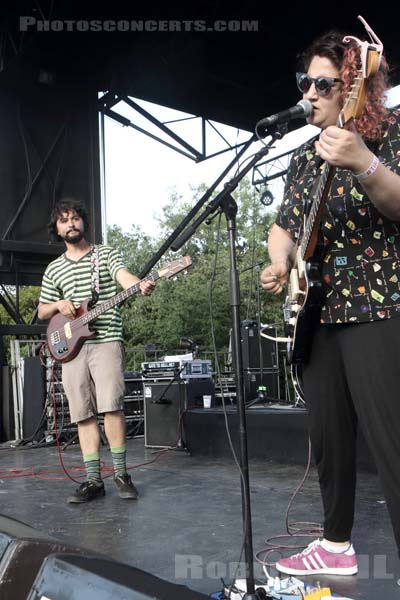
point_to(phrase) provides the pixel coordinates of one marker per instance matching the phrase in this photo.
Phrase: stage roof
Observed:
(234, 77)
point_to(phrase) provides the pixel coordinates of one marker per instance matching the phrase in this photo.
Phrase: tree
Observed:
(185, 307)
(28, 298)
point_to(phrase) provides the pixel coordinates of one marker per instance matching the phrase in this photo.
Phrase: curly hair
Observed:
(66, 205)
(347, 59)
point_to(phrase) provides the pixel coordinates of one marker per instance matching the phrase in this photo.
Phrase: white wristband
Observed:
(371, 169)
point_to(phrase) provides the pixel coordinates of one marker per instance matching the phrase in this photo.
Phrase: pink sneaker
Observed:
(315, 559)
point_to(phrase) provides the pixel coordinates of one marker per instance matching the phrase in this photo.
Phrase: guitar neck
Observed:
(352, 109)
(95, 312)
(310, 236)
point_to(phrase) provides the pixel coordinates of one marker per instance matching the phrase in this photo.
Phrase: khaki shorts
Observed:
(94, 380)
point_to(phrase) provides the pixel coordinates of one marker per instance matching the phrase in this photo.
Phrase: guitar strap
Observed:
(95, 269)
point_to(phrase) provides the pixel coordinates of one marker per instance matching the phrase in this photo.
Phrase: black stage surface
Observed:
(186, 526)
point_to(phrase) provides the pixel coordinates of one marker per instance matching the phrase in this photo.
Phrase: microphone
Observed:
(301, 110)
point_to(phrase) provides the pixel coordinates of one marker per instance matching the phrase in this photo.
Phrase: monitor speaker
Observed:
(22, 552)
(86, 578)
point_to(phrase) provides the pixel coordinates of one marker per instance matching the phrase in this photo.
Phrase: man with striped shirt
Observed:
(94, 379)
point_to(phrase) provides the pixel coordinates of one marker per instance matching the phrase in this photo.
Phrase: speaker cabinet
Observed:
(164, 404)
(253, 379)
(7, 423)
(34, 395)
(258, 352)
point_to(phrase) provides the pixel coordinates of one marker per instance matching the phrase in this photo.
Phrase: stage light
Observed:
(266, 198)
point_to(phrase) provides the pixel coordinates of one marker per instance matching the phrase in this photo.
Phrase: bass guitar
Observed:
(305, 297)
(65, 337)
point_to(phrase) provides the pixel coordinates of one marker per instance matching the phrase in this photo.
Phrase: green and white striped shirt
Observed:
(65, 279)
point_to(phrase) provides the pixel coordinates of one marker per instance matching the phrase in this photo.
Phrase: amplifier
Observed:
(187, 369)
(197, 369)
(258, 352)
(154, 370)
(164, 405)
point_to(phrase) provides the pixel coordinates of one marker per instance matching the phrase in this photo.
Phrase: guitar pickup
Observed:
(67, 330)
(295, 291)
(300, 267)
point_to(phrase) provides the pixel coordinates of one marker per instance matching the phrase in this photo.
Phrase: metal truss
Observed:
(272, 168)
(173, 140)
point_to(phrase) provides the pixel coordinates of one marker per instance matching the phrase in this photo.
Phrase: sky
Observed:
(141, 173)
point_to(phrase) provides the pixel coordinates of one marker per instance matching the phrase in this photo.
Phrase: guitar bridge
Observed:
(55, 338)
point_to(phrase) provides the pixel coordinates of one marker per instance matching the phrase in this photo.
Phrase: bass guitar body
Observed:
(65, 337)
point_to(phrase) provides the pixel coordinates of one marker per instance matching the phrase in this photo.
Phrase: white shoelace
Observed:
(309, 548)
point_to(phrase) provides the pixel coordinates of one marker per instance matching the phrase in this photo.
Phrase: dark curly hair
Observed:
(66, 205)
(346, 57)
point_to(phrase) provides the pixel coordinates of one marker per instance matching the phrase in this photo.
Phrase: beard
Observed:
(73, 237)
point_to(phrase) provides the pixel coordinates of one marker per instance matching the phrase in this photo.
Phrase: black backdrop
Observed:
(49, 82)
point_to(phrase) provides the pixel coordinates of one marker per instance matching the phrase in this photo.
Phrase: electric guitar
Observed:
(65, 336)
(303, 304)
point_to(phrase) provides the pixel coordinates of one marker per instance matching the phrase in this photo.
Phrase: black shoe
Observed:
(126, 489)
(86, 492)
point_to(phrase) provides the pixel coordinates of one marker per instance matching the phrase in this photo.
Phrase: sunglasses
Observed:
(323, 85)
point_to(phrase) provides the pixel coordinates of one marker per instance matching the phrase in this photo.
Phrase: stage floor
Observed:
(186, 526)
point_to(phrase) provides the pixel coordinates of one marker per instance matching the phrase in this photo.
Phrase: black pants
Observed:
(353, 376)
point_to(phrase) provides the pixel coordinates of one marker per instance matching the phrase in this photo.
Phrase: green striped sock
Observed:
(118, 454)
(92, 466)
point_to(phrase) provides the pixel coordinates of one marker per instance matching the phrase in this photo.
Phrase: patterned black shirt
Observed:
(361, 261)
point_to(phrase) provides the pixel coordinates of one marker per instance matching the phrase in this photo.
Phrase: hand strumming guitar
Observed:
(274, 277)
(66, 308)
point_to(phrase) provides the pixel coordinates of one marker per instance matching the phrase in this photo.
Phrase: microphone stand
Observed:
(168, 242)
(224, 202)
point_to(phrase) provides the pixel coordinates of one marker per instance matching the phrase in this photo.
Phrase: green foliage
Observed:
(182, 308)
(135, 247)
(27, 301)
(28, 298)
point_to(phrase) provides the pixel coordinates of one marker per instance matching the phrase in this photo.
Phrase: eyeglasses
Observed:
(323, 85)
